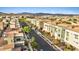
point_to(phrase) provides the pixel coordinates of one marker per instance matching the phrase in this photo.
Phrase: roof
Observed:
(1, 25)
(1, 41)
(19, 34)
(6, 47)
(9, 46)
(16, 49)
(75, 28)
(12, 26)
(71, 27)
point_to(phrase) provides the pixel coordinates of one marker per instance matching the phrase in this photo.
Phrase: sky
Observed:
(53, 10)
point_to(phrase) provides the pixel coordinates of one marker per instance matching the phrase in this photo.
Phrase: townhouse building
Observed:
(38, 22)
(72, 36)
(12, 34)
(67, 33)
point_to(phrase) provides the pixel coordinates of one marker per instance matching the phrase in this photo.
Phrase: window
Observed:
(75, 42)
(76, 36)
(52, 30)
(67, 38)
(63, 33)
(55, 29)
(18, 39)
(67, 35)
(59, 35)
(58, 30)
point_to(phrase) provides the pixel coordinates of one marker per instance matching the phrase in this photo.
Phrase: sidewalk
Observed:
(29, 45)
(48, 41)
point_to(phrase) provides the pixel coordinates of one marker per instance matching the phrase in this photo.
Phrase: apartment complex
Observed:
(65, 28)
(11, 33)
(37, 22)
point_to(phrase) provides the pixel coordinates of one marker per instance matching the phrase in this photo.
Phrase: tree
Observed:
(34, 43)
(67, 22)
(22, 20)
(26, 29)
(0, 19)
(26, 43)
(33, 39)
(74, 20)
(70, 20)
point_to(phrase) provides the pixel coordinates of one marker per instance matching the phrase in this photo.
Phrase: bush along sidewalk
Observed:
(34, 44)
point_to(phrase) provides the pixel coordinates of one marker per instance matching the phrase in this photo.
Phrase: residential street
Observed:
(39, 30)
(42, 43)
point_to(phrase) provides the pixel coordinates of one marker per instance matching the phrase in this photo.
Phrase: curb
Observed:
(49, 42)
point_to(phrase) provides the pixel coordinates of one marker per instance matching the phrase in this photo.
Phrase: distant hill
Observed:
(2, 13)
(25, 13)
(38, 14)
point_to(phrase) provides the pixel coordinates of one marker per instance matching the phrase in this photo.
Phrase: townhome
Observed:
(72, 36)
(33, 21)
(19, 38)
(53, 29)
(12, 36)
(36, 22)
(7, 43)
(40, 23)
(47, 26)
(1, 25)
(14, 23)
(0, 16)
(5, 22)
(64, 31)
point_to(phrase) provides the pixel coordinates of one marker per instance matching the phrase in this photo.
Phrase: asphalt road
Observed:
(41, 42)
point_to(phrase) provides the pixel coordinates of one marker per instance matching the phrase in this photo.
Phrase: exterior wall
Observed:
(52, 30)
(47, 27)
(72, 38)
(21, 41)
(12, 26)
(9, 40)
(33, 21)
(57, 32)
(61, 33)
(1, 25)
(28, 19)
(0, 16)
(36, 22)
(41, 25)
(9, 45)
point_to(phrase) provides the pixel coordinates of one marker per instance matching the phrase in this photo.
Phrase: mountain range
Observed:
(25, 13)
